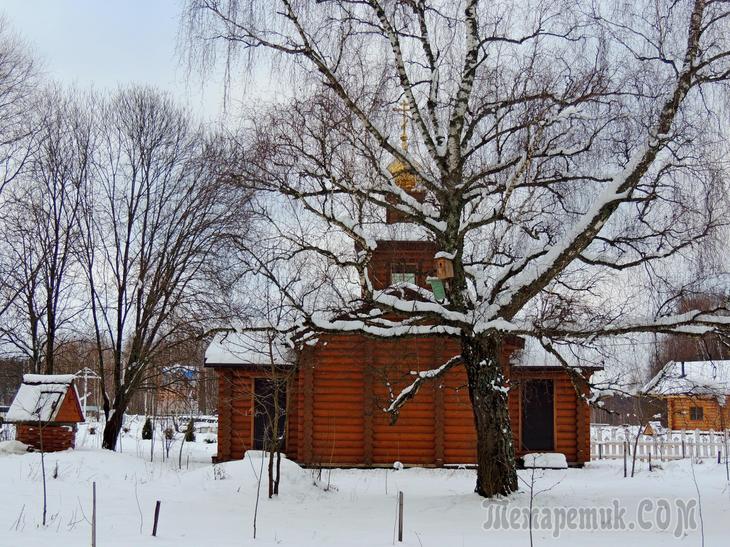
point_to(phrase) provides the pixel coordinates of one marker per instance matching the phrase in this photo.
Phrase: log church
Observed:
(329, 398)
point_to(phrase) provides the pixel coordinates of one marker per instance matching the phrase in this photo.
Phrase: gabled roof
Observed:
(41, 397)
(257, 348)
(691, 378)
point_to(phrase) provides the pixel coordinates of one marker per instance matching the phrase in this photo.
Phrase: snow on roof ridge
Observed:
(48, 378)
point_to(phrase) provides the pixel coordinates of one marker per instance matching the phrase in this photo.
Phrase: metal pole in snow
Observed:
(93, 514)
(157, 517)
(86, 390)
(400, 516)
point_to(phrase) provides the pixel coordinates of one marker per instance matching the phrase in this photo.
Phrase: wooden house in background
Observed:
(696, 393)
(45, 412)
(336, 390)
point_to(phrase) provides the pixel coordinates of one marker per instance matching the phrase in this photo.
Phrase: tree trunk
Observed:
(496, 472)
(277, 475)
(271, 471)
(114, 424)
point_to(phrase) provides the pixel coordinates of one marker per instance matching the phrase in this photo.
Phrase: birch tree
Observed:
(567, 151)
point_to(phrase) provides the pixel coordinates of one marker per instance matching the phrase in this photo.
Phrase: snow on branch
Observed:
(387, 298)
(411, 390)
(530, 281)
(396, 331)
(694, 322)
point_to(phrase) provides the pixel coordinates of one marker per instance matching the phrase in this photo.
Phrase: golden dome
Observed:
(402, 174)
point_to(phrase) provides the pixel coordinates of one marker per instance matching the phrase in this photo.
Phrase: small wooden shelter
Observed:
(696, 393)
(255, 373)
(46, 410)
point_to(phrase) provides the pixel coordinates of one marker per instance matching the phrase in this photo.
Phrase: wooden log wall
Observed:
(714, 415)
(416, 253)
(347, 380)
(336, 401)
(56, 437)
(235, 413)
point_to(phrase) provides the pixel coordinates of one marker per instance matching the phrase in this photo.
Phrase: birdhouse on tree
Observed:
(443, 265)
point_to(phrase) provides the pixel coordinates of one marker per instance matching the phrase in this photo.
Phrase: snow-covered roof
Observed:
(691, 378)
(533, 355)
(259, 347)
(39, 397)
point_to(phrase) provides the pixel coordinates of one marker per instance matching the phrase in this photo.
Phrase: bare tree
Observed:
(42, 224)
(563, 162)
(18, 82)
(679, 347)
(156, 218)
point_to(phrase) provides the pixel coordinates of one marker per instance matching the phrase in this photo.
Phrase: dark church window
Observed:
(403, 273)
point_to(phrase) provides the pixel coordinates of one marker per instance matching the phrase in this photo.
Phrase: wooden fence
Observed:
(672, 445)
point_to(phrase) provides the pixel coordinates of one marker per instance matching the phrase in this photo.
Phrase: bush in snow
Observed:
(147, 429)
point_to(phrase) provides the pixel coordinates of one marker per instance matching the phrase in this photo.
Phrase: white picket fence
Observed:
(671, 445)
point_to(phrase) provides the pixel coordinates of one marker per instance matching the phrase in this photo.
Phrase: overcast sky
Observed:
(105, 43)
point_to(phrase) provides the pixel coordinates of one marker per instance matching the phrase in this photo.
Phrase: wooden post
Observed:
(719, 458)
(157, 518)
(400, 516)
(600, 450)
(625, 464)
(650, 460)
(684, 455)
(697, 451)
(93, 514)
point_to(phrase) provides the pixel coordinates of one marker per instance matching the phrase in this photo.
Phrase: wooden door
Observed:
(538, 429)
(269, 419)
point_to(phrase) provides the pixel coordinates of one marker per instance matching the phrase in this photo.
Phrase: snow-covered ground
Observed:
(206, 505)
